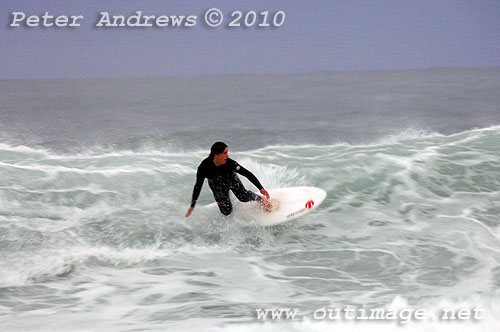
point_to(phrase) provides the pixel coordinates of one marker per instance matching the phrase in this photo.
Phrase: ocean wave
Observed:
(147, 150)
(405, 192)
(52, 263)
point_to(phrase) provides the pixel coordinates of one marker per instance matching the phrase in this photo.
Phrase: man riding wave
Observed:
(221, 171)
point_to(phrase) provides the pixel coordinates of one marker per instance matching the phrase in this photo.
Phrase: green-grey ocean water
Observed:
(92, 228)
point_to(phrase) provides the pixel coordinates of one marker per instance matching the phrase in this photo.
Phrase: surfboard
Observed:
(288, 204)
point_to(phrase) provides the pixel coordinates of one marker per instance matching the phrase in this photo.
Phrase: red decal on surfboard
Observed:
(309, 204)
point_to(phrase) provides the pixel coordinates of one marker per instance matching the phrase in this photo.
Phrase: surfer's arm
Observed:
(249, 175)
(196, 192)
(246, 173)
(200, 178)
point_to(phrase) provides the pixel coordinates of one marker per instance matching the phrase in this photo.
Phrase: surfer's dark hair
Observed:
(217, 148)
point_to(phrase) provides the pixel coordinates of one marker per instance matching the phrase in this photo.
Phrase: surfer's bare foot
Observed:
(266, 204)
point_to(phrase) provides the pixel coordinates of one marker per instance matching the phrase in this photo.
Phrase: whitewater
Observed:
(96, 176)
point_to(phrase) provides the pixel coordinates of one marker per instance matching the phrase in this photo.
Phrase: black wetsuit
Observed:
(223, 178)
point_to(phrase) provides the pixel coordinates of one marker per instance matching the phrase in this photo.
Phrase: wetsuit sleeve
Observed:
(246, 173)
(200, 178)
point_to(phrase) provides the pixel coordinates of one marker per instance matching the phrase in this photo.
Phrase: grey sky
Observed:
(317, 35)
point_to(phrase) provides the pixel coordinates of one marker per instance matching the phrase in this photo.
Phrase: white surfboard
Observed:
(288, 204)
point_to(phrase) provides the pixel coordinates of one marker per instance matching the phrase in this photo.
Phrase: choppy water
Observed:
(93, 236)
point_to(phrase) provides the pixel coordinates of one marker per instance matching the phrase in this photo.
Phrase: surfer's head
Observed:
(219, 153)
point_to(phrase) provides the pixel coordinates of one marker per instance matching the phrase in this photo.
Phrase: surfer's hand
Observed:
(189, 211)
(266, 204)
(264, 192)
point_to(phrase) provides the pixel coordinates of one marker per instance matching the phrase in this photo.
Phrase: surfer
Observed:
(221, 171)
